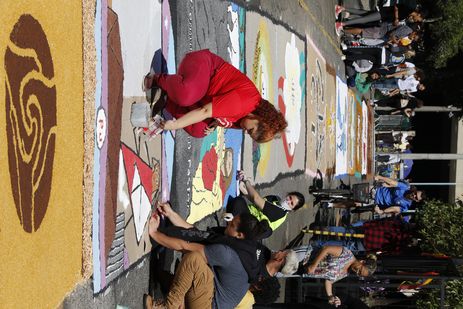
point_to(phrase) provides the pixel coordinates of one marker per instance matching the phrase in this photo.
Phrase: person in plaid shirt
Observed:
(389, 235)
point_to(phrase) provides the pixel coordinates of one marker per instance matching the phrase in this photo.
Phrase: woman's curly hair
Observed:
(270, 120)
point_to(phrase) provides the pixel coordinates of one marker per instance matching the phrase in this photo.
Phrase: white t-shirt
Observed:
(410, 84)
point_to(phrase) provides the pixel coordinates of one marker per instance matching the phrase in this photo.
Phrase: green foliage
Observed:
(441, 228)
(448, 32)
(453, 297)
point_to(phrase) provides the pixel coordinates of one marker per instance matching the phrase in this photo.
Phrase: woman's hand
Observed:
(168, 125)
(241, 176)
(408, 112)
(334, 300)
(209, 129)
(194, 116)
(243, 188)
(165, 209)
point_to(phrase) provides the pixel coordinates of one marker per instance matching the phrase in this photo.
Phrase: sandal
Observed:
(338, 9)
(144, 86)
(159, 104)
(153, 91)
(153, 95)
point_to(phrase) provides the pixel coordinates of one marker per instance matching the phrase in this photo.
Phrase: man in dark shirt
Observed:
(252, 254)
(223, 285)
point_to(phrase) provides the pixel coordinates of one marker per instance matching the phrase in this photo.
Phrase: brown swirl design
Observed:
(30, 120)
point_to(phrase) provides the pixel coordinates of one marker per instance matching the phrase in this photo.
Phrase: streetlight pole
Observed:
(423, 156)
(428, 109)
(436, 183)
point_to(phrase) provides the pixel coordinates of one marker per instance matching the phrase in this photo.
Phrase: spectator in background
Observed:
(391, 14)
(394, 86)
(390, 235)
(331, 263)
(395, 196)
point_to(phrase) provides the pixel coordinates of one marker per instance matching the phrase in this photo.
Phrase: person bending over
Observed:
(208, 92)
(241, 234)
(331, 263)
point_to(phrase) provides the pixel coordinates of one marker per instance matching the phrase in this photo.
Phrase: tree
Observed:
(453, 297)
(441, 228)
(447, 33)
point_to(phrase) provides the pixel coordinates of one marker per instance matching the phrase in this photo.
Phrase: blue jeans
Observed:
(386, 84)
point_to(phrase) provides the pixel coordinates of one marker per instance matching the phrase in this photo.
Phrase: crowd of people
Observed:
(227, 266)
(379, 47)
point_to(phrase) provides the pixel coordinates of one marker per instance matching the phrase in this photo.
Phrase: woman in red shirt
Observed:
(207, 91)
